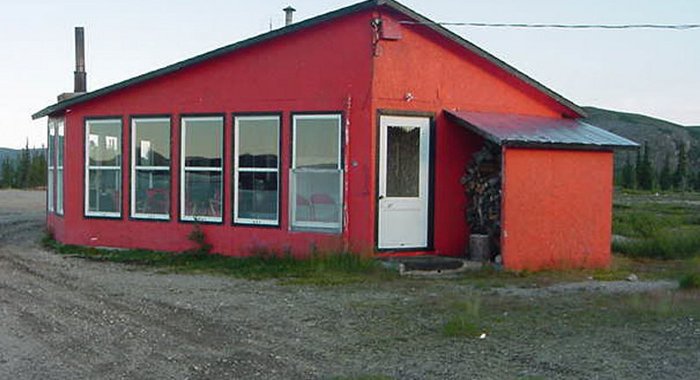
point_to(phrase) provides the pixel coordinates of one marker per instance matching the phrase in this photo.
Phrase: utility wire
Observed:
(560, 26)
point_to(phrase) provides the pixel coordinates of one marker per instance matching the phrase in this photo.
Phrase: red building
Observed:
(342, 132)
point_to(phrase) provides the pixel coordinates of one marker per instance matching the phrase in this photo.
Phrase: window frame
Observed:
(236, 220)
(183, 168)
(51, 166)
(340, 169)
(134, 168)
(60, 151)
(86, 173)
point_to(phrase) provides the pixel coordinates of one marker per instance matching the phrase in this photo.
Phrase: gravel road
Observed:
(67, 318)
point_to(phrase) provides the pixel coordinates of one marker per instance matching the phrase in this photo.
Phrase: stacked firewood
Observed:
(482, 184)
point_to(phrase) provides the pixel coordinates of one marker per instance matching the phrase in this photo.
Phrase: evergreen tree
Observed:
(628, 177)
(645, 174)
(37, 169)
(22, 168)
(680, 178)
(638, 167)
(7, 173)
(697, 181)
(665, 176)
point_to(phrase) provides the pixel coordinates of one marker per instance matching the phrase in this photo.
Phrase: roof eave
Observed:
(486, 55)
(59, 106)
(566, 146)
(510, 143)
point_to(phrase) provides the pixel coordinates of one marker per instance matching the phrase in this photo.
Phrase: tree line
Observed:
(26, 170)
(643, 175)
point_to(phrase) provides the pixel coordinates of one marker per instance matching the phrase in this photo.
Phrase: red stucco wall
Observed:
(557, 209)
(329, 67)
(441, 75)
(324, 68)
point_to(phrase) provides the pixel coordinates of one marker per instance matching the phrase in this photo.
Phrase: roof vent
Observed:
(288, 15)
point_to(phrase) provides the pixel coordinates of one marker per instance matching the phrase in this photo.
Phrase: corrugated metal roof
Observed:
(369, 4)
(534, 131)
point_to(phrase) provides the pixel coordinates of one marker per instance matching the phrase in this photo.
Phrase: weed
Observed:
(328, 269)
(198, 237)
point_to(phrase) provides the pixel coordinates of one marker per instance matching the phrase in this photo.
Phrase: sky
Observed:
(653, 72)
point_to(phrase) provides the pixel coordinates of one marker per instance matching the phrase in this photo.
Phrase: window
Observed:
(256, 169)
(51, 164)
(59, 165)
(103, 160)
(150, 168)
(201, 169)
(316, 174)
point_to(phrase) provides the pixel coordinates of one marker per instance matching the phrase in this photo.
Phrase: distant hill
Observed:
(663, 137)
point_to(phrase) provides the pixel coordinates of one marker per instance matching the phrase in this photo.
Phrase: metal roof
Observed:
(537, 131)
(365, 5)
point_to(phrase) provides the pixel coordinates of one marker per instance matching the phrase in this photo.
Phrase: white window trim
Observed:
(135, 168)
(60, 131)
(184, 170)
(51, 166)
(89, 167)
(237, 169)
(339, 169)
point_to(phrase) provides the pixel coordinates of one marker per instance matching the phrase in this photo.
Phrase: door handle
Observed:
(381, 197)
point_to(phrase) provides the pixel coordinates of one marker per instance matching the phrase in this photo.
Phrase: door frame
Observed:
(431, 177)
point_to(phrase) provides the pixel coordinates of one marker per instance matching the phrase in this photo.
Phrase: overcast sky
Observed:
(655, 72)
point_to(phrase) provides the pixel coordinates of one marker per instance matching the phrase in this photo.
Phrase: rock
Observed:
(632, 277)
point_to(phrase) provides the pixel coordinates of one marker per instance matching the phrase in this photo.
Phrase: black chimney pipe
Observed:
(288, 15)
(80, 76)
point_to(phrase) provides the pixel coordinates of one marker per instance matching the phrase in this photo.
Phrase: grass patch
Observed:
(466, 321)
(663, 226)
(319, 269)
(679, 243)
(365, 377)
(690, 281)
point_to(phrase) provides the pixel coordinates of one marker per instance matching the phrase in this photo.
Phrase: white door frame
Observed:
(404, 223)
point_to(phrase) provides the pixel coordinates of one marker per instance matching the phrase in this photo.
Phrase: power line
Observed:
(559, 26)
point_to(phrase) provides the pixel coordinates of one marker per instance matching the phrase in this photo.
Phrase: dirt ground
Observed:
(68, 318)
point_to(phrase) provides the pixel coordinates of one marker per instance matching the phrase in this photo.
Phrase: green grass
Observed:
(466, 320)
(690, 281)
(319, 269)
(679, 243)
(664, 226)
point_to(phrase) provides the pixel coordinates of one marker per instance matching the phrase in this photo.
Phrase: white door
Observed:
(404, 155)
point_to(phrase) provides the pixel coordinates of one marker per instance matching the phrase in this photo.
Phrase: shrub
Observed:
(638, 224)
(690, 281)
(679, 243)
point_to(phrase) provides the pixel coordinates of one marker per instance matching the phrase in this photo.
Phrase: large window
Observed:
(316, 174)
(60, 129)
(201, 169)
(150, 168)
(103, 160)
(51, 165)
(256, 169)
